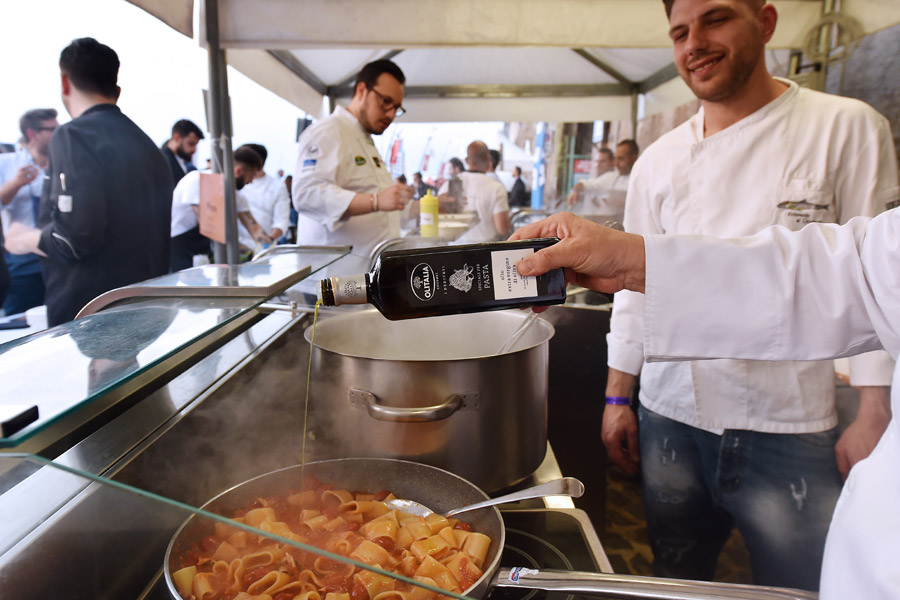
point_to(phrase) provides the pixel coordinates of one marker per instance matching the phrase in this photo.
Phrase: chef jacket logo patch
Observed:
(377, 161)
(309, 163)
(422, 282)
(360, 161)
(462, 278)
(312, 150)
(801, 205)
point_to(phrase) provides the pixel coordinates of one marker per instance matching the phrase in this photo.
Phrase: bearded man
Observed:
(740, 443)
(343, 193)
(180, 148)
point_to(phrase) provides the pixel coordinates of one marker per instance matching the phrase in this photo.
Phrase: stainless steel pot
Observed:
(434, 391)
(442, 491)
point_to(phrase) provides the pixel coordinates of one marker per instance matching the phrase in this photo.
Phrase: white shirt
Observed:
(270, 205)
(806, 156)
(823, 293)
(605, 195)
(338, 160)
(20, 209)
(485, 196)
(186, 196)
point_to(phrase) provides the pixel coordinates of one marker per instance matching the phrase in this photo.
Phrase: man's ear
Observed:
(118, 93)
(65, 84)
(360, 89)
(768, 18)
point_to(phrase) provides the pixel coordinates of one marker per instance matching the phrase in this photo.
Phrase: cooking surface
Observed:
(545, 539)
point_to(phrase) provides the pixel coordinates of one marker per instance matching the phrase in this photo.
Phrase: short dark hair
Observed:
(668, 4)
(372, 71)
(185, 127)
(91, 67)
(417, 174)
(517, 171)
(248, 156)
(457, 163)
(34, 118)
(495, 158)
(632, 146)
(609, 153)
(259, 149)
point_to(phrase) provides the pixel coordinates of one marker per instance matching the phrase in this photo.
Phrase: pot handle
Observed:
(635, 587)
(421, 414)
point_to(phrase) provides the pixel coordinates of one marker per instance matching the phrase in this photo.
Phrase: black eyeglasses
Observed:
(388, 105)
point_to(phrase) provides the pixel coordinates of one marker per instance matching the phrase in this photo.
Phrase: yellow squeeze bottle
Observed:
(428, 215)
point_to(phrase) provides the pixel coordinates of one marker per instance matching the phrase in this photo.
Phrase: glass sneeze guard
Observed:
(66, 368)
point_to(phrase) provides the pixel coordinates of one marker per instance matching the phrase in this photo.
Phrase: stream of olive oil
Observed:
(312, 340)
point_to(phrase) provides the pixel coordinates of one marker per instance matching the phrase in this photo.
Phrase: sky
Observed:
(162, 76)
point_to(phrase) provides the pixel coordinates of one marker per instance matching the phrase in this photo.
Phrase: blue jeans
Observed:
(26, 284)
(779, 490)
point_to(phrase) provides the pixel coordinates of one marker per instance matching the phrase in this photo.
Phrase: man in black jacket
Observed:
(179, 149)
(106, 207)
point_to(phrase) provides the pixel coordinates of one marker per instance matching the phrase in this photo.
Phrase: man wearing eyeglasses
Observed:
(21, 180)
(342, 191)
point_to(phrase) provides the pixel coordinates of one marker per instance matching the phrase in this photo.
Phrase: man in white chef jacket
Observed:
(605, 195)
(744, 443)
(821, 293)
(342, 190)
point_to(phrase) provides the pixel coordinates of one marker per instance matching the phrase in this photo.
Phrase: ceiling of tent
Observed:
(470, 60)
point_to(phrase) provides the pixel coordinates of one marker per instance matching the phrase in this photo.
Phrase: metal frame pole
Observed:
(220, 132)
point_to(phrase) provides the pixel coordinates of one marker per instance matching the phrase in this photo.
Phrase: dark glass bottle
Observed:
(426, 282)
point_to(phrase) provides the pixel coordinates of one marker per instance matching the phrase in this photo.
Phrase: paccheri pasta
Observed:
(236, 565)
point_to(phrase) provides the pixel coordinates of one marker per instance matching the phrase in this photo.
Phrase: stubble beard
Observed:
(733, 82)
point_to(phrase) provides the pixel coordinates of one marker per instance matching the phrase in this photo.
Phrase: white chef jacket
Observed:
(338, 160)
(822, 293)
(186, 196)
(269, 204)
(605, 195)
(806, 156)
(485, 196)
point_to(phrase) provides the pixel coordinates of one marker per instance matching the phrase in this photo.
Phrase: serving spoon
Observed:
(566, 486)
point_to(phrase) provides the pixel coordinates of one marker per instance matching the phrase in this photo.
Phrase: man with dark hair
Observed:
(751, 444)
(105, 208)
(180, 148)
(495, 162)
(343, 192)
(519, 196)
(21, 181)
(187, 241)
(269, 203)
(456, 167)
(605, 195)
(421, 188)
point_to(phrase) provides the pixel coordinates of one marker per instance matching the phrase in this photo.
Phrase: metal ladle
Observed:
(567, 486)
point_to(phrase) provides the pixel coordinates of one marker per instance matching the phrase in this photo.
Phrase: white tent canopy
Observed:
(470, 60)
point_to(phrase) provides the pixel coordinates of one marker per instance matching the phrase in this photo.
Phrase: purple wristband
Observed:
(623, 400)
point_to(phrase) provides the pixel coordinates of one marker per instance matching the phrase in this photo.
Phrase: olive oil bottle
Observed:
(427, 282)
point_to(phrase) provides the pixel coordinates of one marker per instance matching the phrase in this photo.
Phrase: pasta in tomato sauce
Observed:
(236, 565)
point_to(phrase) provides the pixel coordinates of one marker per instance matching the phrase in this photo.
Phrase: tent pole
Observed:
(634, 113)
(220, 125)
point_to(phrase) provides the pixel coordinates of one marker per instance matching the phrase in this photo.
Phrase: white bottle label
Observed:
(426, 218)
(508, 283)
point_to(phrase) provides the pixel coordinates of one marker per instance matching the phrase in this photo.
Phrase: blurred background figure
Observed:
(180, 148)
(21, 180)
(519, 196)
(420, 186)
(495, 162)
(484, 196)
(269, 203)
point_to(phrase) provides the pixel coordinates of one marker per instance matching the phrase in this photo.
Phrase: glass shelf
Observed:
(69, 367)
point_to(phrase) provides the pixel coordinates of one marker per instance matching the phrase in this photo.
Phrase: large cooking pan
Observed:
(442, 490)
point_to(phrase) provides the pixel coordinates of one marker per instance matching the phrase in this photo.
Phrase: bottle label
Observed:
(422, 282)
(508, 283)
(426, 218)
(481, 277)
